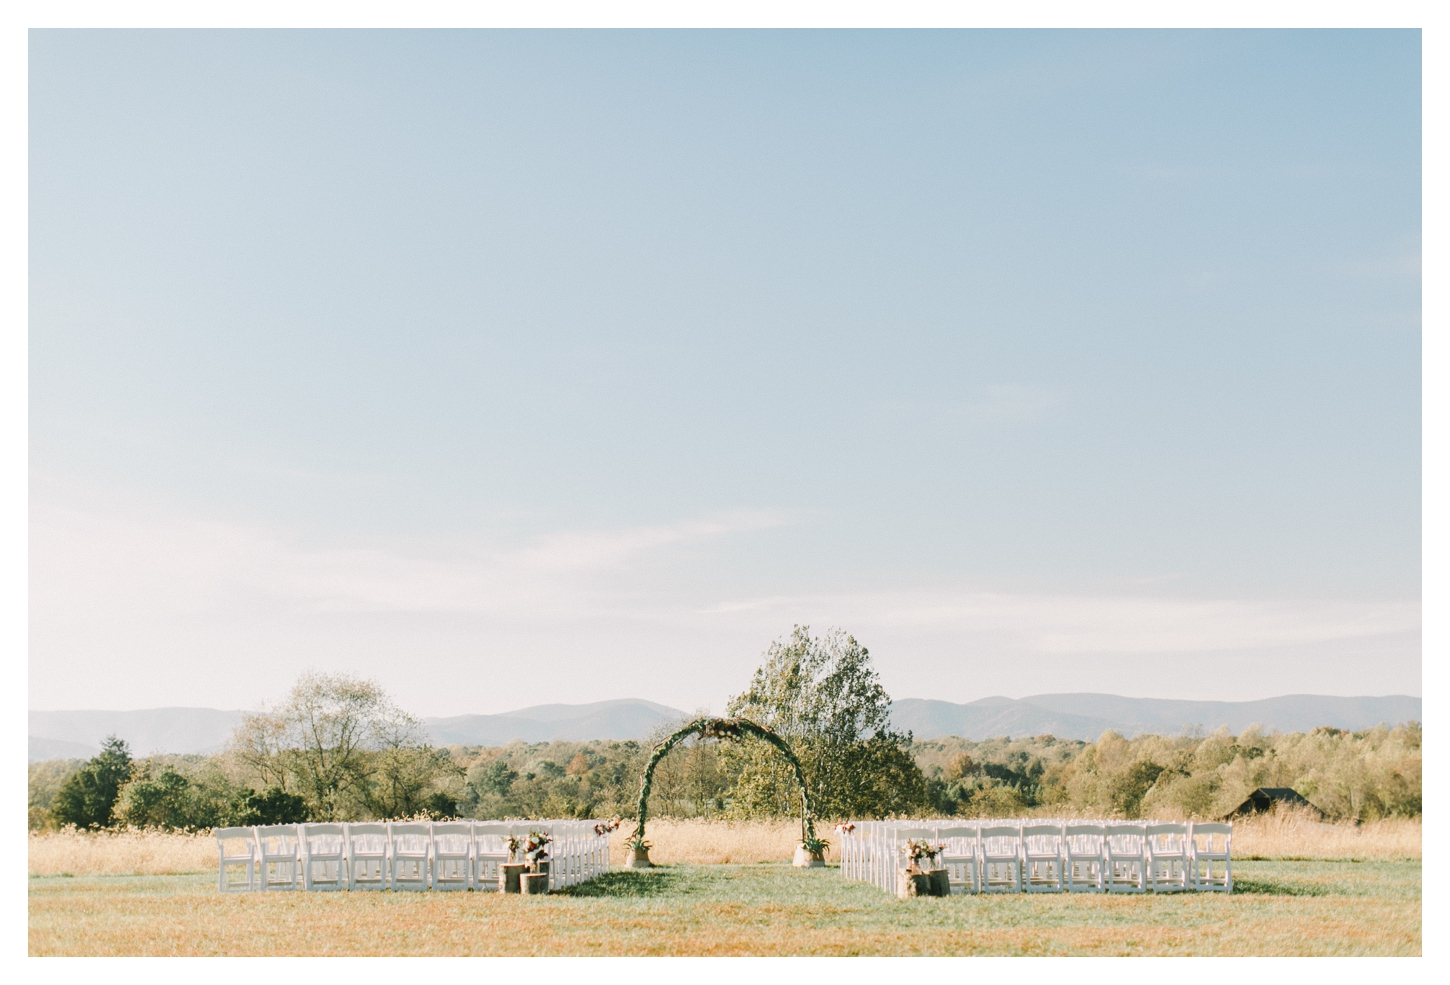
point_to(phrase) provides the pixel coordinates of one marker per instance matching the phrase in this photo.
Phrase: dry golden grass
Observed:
(1295, 835)
(1275, 836)
(714, 842)
(142, 853)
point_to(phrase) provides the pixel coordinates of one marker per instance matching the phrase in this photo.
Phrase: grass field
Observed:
(1302, 889)
(1278, 908)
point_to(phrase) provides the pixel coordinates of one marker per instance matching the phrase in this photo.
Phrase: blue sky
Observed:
(1042, 361)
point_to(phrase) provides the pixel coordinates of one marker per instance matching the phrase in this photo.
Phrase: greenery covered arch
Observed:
(726, 728)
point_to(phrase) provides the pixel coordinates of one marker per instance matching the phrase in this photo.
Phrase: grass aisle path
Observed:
(1281, 908)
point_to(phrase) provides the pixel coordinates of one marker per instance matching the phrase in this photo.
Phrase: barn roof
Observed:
(1267, 798)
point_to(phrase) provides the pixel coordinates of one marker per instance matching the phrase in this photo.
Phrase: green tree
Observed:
(340, 743)
(167, 800)
(271, 806)
(823, 695)
(88, 796)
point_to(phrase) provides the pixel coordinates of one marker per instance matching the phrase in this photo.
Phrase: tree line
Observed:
(339, 749)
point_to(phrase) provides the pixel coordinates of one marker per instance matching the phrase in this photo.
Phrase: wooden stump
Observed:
(940, 883)
(508, 876)
(910, 884)
(534, 883)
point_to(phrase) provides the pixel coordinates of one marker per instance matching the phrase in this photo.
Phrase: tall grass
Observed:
(1285, 835)
(1298, 835)
(708, 842)
(117, 853)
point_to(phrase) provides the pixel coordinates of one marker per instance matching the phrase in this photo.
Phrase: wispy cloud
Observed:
(124, 607)
(1123, 624)
(87, 563)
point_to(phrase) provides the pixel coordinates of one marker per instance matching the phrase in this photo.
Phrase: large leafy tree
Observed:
(88, 796)
(340, 743)
(822, 694)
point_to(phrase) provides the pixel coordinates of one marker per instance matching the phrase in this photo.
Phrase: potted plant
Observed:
(638, 852)
(811, 852)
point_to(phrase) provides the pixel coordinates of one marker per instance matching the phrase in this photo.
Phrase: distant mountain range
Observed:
(71, 734)
(626, 718)
(1087, 716)
(78, 734)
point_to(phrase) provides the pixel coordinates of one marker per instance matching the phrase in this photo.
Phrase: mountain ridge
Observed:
(1085, 716)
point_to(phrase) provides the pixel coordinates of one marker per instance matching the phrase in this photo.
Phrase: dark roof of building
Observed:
(1267, 798)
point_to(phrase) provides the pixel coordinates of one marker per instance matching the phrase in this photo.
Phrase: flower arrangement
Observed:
(920, 851)
(845, 827)
(605, 827)
(514, 845)
(536, 849)
(636, 843)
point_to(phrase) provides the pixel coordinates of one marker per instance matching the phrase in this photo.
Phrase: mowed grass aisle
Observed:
(1278, 908)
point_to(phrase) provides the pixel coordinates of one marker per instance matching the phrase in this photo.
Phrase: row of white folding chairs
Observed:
(1050, 855)
(400, 855)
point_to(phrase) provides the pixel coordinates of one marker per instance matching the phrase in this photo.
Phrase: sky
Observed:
(509, 368)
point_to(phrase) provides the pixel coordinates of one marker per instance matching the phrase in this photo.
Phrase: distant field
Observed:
(1279, 908)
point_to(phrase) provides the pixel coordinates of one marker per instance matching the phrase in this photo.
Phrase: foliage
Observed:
(341, 744)
(87, 798)
(823, 696)
(45, 780)
(815, 845)
(179, 793)
(272, 806)
(1356, 776)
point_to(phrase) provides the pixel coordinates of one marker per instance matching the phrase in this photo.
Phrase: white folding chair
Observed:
(1167, 858)
(562, 873)
(1082, 857)
(1001, 858)
(237, 870)
(901, 838)
(1123, 858)
(1042, 858)
(409, 844)
(960, 857)
(490, 850)
(367, 855)
(324, 864)
(579, 835)
(1208, 845)
(452, 854)
(277, 866)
